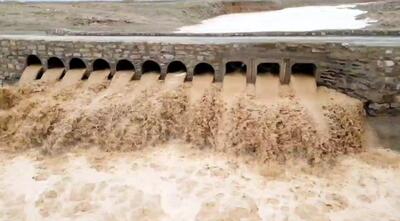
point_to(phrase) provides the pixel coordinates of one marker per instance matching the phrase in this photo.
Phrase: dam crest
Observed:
(361, 69)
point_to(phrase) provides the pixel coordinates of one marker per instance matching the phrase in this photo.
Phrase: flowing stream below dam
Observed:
(172, 150)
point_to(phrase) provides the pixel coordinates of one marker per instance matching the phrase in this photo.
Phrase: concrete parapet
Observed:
(370, 73)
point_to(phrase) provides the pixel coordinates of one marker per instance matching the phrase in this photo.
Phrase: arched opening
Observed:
(101, 64)
(150, 66)
(55, 69)
(34, 67)
(33, 60)
(176, 67)
(203, 68)
(54, 62)
(303, 78)
(77, 63)
(125, 65)
(268, 68)
(235, 67)
(304, 68)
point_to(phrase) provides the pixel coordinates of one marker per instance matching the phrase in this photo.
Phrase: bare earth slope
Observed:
(139, 16)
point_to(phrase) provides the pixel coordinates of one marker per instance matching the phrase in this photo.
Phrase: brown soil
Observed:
(387, 14)
(143, 16)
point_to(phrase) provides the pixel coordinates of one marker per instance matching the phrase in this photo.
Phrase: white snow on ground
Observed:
(307, 18)
(60, 1)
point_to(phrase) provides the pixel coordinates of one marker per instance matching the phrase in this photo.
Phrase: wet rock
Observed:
(376, 108)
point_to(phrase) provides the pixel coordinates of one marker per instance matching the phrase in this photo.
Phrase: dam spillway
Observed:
(159, 110)
(363, 67)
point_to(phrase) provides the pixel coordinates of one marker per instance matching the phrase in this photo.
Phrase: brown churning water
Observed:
(266, 120)
(153, 149)
(30, 73)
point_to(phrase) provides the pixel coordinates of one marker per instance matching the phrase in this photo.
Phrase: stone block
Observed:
(168, 56)
(389, 63)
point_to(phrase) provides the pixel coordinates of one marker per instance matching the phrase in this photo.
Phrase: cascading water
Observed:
(169, 150)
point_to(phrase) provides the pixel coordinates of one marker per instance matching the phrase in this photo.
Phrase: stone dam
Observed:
(367, 68)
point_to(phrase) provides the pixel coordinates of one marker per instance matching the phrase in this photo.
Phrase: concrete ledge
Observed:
(362, 32)
(363, 67)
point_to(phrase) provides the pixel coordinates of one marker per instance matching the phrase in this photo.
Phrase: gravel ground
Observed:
(164, 16)
(386, 13)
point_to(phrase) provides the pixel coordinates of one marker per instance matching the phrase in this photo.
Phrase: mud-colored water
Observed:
(175, 182)
(298, 120)
(122, 78)
(168, 150)
(99, 76)
(267, 88)
(53, 74)
(72, 77)
(30, 73)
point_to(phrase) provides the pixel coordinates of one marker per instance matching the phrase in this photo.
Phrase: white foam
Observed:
(173, 182)
(307, 18)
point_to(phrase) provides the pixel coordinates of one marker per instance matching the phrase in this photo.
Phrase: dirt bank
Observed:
(133, 16)
(387, 14)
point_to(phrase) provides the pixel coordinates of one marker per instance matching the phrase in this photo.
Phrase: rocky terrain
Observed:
(138, 16)
(387, 14)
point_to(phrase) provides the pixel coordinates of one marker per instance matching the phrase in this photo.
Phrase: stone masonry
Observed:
(370, 73)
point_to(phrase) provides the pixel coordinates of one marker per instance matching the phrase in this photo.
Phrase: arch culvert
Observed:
(55, 62)
(150, 66)
(304, 68)
(34, 68)
(33, 60)
(55, 69)
(77, 63)
(268, 68)
(101, 64)
(203, 68)
(235, 67)
(176, 67)
(125, 65)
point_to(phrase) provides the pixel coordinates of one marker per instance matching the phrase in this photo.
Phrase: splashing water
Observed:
(268, 120)
(196, 151)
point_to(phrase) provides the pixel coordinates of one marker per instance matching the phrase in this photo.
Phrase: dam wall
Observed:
(368, 72)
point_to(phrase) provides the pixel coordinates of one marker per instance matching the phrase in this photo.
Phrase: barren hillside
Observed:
(148, 16)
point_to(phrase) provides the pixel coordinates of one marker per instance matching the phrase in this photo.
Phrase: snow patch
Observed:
(307, 18)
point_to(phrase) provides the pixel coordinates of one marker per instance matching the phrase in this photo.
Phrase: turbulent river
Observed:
(168, 150)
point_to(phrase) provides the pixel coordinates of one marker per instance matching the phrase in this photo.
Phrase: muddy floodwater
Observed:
(153, 149)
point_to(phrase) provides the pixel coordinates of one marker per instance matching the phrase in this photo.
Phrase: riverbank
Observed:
(39, 18)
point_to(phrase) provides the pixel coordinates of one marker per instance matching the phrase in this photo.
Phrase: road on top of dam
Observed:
(382, 41)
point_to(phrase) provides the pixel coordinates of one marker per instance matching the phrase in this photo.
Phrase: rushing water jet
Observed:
(267, 119)
(158, 136)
